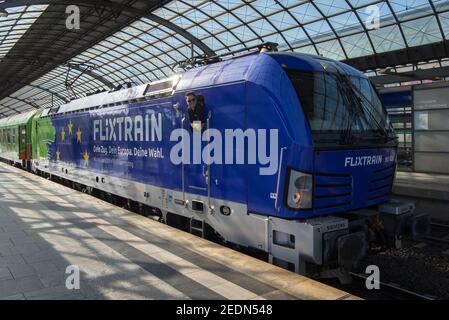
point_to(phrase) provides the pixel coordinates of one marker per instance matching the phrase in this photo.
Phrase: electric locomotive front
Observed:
(338, 180)
(352, 143)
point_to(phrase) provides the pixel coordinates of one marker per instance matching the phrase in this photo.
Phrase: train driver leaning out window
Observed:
(196, 112)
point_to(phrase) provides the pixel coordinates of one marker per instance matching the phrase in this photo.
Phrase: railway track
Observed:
(390, 291)
(439, 234)
(387, 291)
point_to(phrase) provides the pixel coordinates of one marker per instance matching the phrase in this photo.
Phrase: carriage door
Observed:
(23, 150)
(196, 173)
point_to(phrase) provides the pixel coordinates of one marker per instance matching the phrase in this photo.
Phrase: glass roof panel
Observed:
(201, 33)
(332, 7)
(276, 38)
(346, 23)
(362, 3)
(214, 26)
(331, 49)
(182, 22)
(213, 43)
(297, 37)
(145, 51)
(265, 7)
(228, 20)
(14, 26)
(422, 31)
(444, 18)
(441, 5)
(319, 31)
(210, 9)
(307, 50)
(387, 39)
(246, 13)
(305, 13)
(409, 9)
(357, 45)
(283, 20)
(228, 38)
(262, 27)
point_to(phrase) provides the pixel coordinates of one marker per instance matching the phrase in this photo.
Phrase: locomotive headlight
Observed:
(300, 190)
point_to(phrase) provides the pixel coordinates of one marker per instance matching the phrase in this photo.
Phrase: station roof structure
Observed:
(130, 42)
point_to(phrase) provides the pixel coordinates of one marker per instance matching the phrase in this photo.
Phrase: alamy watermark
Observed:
(73, 19)
(372, 22)
(230, 149)
(373, 279)
(73, 280)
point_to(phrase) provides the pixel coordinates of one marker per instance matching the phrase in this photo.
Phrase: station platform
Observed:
(422, 185)
(46, 227)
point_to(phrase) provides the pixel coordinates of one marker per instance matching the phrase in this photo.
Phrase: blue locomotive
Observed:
(293, 155)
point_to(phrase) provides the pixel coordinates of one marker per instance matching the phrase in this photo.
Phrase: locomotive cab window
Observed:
(340, 108)
(196, 111)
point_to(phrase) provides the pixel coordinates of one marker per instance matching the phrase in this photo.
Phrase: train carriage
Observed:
(15, 138)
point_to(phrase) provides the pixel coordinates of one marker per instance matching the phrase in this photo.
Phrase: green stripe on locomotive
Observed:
(43, 135)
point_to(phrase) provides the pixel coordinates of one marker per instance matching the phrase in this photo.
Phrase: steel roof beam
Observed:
(49, 91)
(9, 108)
(32, 104)
(94, 75)
(427, 52)
(43, 89)
(90, 73)
(421, 74)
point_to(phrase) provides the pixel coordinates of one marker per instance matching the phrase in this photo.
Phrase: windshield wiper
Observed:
(351, 88)
(347, 137)
(369, 109)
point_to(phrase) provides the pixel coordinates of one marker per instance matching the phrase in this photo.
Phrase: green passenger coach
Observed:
(15, 138)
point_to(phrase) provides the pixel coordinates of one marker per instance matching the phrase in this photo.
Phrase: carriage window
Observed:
(14, 139)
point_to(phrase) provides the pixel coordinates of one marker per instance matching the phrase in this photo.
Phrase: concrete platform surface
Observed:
(45, 227)
(422, 185)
